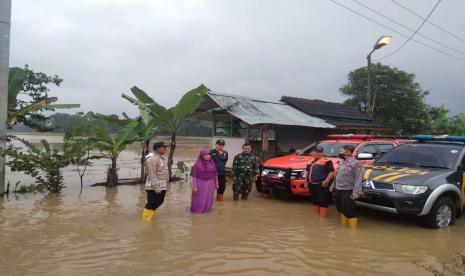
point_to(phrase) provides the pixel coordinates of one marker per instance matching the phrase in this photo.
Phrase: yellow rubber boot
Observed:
(353, 223)
(344, 220)
(148, 214)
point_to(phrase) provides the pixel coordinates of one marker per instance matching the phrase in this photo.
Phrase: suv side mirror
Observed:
(365, 156)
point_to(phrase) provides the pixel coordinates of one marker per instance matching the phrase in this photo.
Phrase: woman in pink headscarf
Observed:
(204, 182)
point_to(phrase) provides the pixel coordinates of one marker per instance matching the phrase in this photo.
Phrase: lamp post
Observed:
(382, 41)
(5, 17)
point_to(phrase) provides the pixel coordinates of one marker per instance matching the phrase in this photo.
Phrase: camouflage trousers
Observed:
(242, 184)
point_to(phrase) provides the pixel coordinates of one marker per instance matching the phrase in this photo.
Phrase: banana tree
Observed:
(147, 122)
(170, 120)
(15, 110)
(111, 147)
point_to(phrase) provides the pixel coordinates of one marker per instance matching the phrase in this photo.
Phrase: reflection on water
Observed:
(101, 233)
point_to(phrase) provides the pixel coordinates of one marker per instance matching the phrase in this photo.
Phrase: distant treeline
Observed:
(62, 122)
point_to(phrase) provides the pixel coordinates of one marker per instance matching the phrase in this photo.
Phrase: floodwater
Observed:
(101, 233)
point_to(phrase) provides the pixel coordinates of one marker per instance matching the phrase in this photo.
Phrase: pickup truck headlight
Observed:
(265, 172)
(411, 189)
(298, 174)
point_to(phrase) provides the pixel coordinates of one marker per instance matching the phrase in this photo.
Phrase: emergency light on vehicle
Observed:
(440, 138)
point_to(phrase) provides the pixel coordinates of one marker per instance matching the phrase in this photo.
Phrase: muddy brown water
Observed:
(101, 233)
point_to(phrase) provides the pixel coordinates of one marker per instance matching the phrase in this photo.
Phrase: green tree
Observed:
(171, 120)
(147, 122)
(398, 99)
(457, 124)
(28, 98)
(440, 121)
(79, 141)
(111, 147)
(43, 163)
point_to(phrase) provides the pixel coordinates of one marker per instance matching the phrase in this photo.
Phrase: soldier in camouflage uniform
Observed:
(244, 171)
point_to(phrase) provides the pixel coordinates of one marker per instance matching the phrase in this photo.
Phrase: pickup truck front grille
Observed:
(383, 186)
(275, 172)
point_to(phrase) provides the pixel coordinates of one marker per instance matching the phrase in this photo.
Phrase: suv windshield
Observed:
(331, 148)
(423, 155)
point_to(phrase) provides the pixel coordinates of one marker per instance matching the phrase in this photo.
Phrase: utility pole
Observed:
(5, 19)
(368, 100)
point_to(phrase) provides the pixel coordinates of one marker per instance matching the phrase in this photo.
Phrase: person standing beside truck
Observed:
(220, 157)
(244, 171)
(157, 179)
(345, 186)
(319, 174)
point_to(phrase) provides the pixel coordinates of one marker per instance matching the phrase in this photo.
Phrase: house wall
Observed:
(298, 137)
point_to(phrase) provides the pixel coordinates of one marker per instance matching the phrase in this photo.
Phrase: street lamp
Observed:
(382, 41)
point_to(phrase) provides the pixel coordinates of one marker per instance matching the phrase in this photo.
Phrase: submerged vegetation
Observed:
(43, 163)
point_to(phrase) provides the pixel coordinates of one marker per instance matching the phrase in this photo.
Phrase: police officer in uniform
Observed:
(345, 186)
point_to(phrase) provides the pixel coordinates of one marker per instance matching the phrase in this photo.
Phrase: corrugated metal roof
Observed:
(255, 112)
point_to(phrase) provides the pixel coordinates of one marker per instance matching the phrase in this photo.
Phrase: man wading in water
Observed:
(320, 173)
(244, 172)
(346, 190)
(220, 157)
(157, 179)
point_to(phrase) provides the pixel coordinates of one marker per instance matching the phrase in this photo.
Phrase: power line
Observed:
(397, 32)
(431, 23)
(416, 31)
(408, 28)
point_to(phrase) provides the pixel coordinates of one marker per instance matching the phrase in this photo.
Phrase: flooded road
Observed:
(101, 233)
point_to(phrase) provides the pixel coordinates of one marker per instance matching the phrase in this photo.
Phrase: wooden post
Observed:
(231, 126)
(213, 126)
(264, 142)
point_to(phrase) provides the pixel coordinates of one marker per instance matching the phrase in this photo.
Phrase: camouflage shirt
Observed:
(245, 165)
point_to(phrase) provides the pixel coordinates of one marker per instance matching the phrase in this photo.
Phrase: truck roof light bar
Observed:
(444, 137)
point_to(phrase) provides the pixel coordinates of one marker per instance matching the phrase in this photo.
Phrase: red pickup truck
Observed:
(286, 174)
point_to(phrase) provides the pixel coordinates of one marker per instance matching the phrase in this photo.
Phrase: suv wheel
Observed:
(442, 214)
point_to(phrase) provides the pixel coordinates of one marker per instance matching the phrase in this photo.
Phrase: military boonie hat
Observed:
(220, 142)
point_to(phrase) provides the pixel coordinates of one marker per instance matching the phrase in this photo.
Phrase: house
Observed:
(274, 128)
(344, 117)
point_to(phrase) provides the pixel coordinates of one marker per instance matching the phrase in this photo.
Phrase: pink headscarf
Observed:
(202, 168)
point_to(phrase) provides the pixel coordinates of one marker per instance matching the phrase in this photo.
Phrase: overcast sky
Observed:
(264, 49)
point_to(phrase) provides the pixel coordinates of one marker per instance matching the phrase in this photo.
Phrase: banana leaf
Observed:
(189, 102)
(127, 134)
(144, 98)
(15, 84)
(61, 106)
(12, 117)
